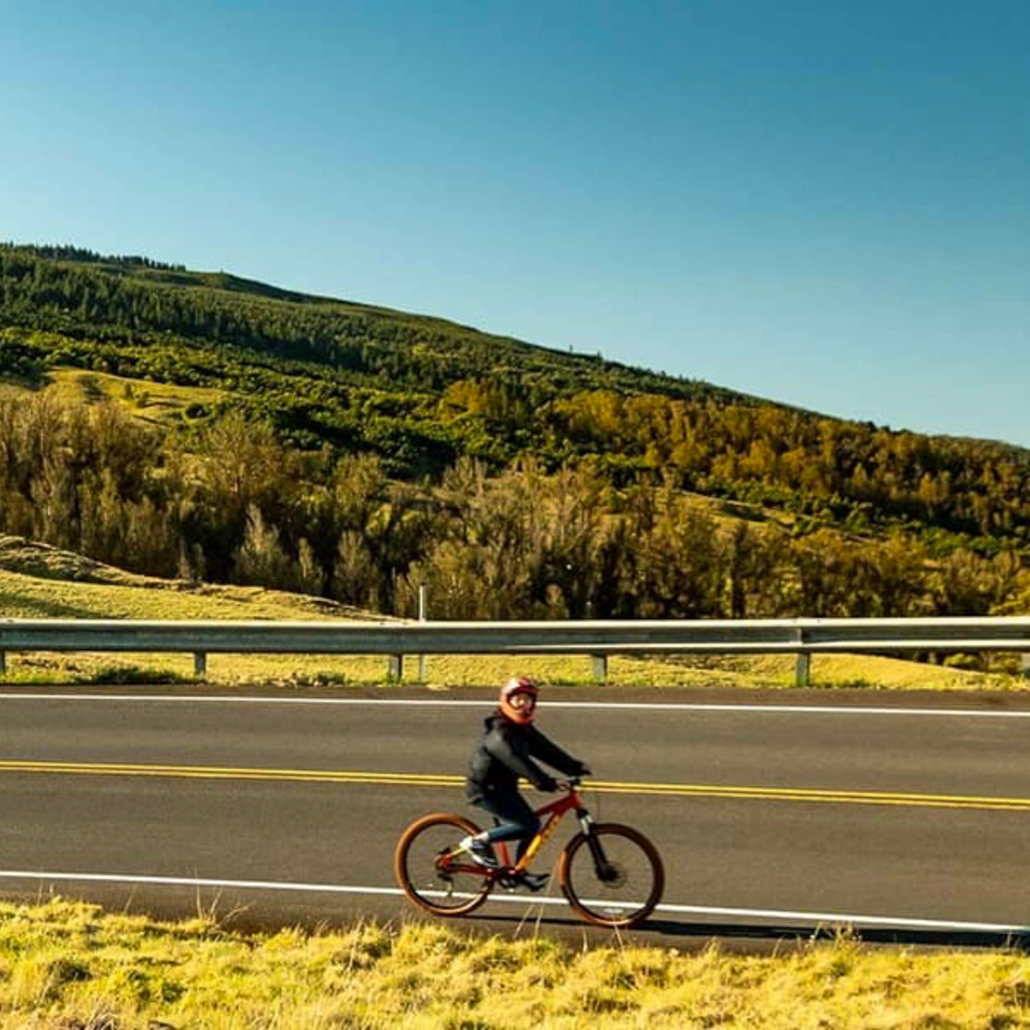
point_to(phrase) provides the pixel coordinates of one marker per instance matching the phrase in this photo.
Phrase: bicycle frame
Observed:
(552, 813)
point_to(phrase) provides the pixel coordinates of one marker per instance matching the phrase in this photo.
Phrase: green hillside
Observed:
(179, 422)
(416, 390)
(419, 391)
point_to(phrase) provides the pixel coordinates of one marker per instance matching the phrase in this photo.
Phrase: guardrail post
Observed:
(600, 667)
(394, 668)
(1024, 661)
(802, 669)
(199, 665)
(3, 664)
(422, 618)
(802, 662)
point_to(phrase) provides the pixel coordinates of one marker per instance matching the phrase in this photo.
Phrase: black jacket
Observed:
(506, 751)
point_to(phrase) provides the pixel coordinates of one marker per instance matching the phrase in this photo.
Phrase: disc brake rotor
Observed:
(614, 876)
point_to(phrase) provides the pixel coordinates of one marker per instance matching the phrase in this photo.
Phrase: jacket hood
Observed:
(497, 718)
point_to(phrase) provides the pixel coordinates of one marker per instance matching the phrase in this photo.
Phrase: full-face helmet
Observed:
(518, 699)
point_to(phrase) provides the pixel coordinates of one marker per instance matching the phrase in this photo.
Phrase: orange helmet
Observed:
(519, 685)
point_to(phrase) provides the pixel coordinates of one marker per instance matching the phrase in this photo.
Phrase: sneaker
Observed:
(534, 881)
(480, 852)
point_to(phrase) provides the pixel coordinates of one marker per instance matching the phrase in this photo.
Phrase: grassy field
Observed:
(68, 966)
(37, 581)
(146, 401)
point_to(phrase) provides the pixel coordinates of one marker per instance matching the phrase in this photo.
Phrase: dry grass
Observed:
(144, 400)
(65, 965)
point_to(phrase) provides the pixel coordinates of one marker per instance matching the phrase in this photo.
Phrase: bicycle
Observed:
(610, 874)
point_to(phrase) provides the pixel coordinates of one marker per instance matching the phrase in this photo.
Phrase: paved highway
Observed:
(778, 815)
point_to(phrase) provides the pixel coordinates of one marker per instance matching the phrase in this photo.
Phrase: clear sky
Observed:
(821, 202)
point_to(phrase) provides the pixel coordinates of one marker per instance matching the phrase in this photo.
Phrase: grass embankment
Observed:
(37, 581)
(66, 966)
(156, 403)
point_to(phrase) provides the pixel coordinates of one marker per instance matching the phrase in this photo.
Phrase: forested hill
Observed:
(336, 379)
(128, 300)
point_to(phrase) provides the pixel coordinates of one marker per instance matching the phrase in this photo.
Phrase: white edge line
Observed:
(644, 706)
(842, 919)
(818, 918)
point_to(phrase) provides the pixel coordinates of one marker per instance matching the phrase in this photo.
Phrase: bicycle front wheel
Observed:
(431, 871)
(613, 876)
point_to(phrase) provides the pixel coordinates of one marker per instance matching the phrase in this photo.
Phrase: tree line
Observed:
(238, 506)
(69, 252)
(821, 471)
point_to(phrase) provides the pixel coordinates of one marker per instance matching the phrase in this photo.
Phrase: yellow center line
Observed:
(696, 790)
(229, 773)
(840, 797)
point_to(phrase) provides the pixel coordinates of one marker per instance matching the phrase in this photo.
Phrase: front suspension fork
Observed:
(601, 864)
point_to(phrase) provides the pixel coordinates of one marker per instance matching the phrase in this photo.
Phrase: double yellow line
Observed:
(205, 772)
(678, 790)
(835, 797)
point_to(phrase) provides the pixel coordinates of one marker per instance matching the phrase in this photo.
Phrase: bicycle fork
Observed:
(606, 872)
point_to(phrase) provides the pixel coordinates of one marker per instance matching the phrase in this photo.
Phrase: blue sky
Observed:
(821, 202)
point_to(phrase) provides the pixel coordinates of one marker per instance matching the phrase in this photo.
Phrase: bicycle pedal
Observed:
(534, 881)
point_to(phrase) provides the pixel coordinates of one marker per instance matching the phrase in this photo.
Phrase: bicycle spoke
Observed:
(618, 886)
(435, 874)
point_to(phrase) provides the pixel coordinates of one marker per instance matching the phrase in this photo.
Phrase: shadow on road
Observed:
(749, 937)
(825, 932)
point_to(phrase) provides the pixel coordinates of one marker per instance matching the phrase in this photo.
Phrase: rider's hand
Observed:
(547, 785)
(583, 770)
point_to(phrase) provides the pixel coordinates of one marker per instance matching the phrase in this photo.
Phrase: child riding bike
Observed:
(503, 754)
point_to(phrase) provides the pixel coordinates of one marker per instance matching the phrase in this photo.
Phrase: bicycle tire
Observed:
(422, 881)
(636, 864)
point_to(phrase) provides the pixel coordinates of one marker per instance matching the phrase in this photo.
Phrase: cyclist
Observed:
(504, 753)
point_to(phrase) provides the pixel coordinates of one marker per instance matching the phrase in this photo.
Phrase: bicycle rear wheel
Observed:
(615, 880)
(431, 872)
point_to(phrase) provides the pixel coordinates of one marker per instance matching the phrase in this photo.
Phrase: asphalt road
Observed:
(779, 816)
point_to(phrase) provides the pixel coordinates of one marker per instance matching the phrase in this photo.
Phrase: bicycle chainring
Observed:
(443, 866)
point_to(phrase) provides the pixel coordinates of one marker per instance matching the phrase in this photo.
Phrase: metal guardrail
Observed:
(599, 639)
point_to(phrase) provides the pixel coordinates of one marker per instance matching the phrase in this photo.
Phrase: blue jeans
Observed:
(514, 819)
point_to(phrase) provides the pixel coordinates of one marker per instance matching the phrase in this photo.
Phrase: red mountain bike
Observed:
(611, 875)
